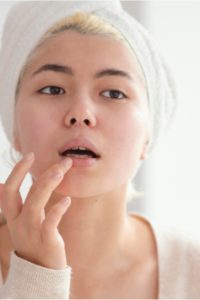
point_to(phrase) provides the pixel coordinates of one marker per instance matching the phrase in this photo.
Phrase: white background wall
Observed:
(173, 173)
(171, 176)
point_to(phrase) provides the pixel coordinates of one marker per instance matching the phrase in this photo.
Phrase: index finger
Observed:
(17, 175)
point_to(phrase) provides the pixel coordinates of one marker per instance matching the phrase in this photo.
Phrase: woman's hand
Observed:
(35, 235)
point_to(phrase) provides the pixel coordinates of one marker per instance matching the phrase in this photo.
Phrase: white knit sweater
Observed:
(179, 272)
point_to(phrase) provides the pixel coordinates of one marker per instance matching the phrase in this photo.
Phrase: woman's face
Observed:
(98, 98)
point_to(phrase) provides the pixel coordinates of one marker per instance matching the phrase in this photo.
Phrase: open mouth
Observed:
(80, 152)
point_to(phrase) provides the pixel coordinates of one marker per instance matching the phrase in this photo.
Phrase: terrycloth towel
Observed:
(28, 21)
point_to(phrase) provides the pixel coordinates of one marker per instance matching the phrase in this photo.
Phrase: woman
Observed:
(85, 90)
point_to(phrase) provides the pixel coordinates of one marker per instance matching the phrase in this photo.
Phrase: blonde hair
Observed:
(89, 24)
(84, 23)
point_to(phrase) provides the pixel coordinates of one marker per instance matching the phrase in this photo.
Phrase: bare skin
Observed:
(137, 282)
(135, 279)
(132, 278)
(28, 226)
(94, 235)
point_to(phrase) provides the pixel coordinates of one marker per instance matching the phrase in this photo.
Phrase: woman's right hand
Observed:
(34, 235)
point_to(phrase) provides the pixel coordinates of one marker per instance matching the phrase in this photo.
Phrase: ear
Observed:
(144, 154)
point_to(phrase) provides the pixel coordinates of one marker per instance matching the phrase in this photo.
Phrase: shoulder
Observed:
(178, 243)
(178, 248)
(178, 260)
(179, 263)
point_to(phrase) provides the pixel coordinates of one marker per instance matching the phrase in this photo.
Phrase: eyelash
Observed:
(49, 87)
(122, 95)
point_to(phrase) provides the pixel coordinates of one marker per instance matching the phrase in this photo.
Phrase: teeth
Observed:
(79, 148)
(79, 152)
(77, 155)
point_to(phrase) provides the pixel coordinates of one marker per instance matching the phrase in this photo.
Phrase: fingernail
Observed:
(66, 162)
(65, 201)
(28, 156)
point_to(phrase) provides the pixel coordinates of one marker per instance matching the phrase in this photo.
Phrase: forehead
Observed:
(86, 51)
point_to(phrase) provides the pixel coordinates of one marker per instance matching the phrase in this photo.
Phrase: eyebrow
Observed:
(68, 71)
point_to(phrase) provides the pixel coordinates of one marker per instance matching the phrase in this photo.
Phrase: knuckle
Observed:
(32, 217)
(49, 172)
(46, 228)
(44, 182)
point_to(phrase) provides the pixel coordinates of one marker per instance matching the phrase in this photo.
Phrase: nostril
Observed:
(87, 122)
(72, 121)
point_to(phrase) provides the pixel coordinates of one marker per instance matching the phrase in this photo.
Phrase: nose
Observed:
(80, 114)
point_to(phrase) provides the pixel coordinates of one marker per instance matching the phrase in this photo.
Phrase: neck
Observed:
(94, 228)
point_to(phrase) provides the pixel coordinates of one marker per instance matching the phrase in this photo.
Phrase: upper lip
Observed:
(79, 142)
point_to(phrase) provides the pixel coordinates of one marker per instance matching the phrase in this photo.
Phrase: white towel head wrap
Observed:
(28, 21)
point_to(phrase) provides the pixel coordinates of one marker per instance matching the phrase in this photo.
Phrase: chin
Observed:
(76, 190)
(87, 186)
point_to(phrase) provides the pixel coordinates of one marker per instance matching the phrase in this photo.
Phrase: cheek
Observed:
(127, 141)
(33, 128)
(34, 131)
(128, 134)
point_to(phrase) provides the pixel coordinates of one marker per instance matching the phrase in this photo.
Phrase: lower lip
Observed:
(83, 162)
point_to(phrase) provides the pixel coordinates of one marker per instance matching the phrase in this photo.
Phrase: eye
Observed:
(52, 90)
(114, 94)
